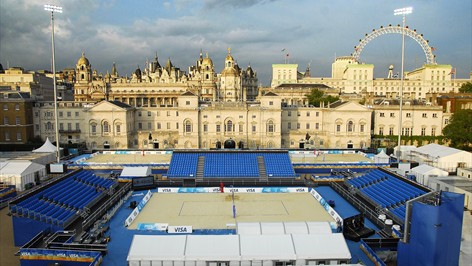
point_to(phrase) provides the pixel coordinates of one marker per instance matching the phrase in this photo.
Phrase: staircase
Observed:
(262, 169)
(200, 165)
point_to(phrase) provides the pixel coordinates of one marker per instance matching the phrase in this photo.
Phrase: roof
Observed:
(302, 85)
(152, 247)
(324, 246)
(47, 147)
(19, 167)
(424, 168)
(120, 104)
(267, 247)
(437, 150)
(212, 247)
(459, 182)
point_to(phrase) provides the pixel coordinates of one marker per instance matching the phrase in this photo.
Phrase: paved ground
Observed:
(7, 249)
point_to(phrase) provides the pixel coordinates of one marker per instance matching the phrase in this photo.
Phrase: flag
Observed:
(433, 49)
(453, 71)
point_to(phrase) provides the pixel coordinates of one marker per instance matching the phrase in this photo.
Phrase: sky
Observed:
(259, 32)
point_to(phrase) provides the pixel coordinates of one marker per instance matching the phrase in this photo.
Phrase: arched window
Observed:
(106, 127)
(207, 76)
(270, 126)
(187, 126)
(93, 128)
(229, 126)
(350, 126)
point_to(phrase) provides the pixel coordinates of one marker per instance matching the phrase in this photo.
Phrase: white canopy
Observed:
(321, 246)
(212, 247)
(267, 247)
(47, 147)
(152, 247)
(381, 157)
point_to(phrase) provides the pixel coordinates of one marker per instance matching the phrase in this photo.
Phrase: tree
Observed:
(459, 130)
(466, 88)
(316, 97)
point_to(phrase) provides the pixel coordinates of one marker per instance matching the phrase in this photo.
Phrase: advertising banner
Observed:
(329, 209)
(136, 210)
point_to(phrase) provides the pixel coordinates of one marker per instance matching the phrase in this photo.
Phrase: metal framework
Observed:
(430, 57)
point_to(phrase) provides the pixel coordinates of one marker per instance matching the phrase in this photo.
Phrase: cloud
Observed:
(211, 4)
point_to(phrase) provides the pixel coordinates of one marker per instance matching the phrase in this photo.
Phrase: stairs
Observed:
(262, 169)
(200, 166)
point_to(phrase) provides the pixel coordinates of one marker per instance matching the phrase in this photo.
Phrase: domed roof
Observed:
(83, 60)
(229, 56)
(207, 61)
(230, 71)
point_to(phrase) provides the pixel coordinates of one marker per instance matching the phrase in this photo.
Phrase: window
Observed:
(307, 113)
(241, 128)
(139, 113)
(168, 125)
(168, 113)
(69, 114)
(176, 113)
(289, 113)
(382, 115)
(317, 114)
(18, 136)
(317, 126)
(149, 125)
(17, 120)
(149, 113)
(307, 125)
(60, 114)
(298, 113)
(218, 128)
(17, 108)
(433, 131)
(69, 126)
(392, 114)
(188, 126)
(446, 121)
(205, 128)
(177, 125)
(77, 126)
(93, 128)
(36, 114)
(435, 115)
(187, 102)
(253, 128)
(270, 126)
(423, 131)
(158, 125)
(338, 128)
(118, 129)
(289, 125)
(424, 115)
(390, 131)
(381, 131)
(105, 127)
(408, 114)
(229, 126)
(362, 128)
(7, 136)
(5, 107)
(140, 125)
(76, 114)
(271, 103)
(350, 126)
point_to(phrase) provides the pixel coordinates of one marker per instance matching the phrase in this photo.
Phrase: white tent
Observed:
(381, 157)
(442, 157)
(424, 172)
(321, 248)
(280, 228)
(20, 173)
(156, 248)
(267, 247)
(212, 248)
(47, 147)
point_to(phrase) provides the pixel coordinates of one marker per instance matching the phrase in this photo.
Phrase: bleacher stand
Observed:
(386, 190)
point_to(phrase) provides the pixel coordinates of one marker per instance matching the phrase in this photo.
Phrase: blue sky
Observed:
(130, 32)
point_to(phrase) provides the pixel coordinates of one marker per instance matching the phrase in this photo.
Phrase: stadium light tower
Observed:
(53, 9)
(402, 12)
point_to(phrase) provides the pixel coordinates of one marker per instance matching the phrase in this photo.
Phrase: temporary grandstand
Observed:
(83, 212)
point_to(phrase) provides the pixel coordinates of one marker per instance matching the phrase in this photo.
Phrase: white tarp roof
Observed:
(437, 150)
(153, 247)
(267, 247)
(424, 169)
(321, 246)
(19, 168)
(319, 228)
(272, 228)
(47, 147)
(136, 171)
(280, 228)
(212, 247)
(158, 248)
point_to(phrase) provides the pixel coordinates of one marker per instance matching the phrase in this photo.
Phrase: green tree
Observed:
(316, 97)
(459, 130)
(466, 88)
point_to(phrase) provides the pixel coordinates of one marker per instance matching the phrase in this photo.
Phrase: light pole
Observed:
(53, 9)
(403, 12)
